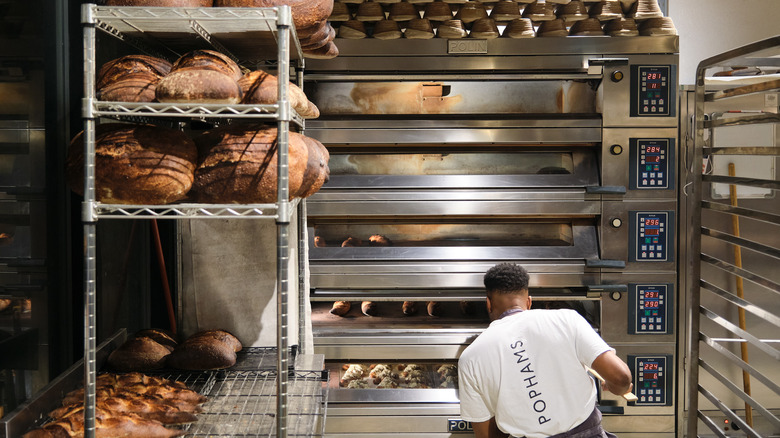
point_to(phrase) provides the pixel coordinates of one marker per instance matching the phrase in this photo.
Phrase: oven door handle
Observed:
(607, 61)
(602, 263)
(605, 190)
(620, 288)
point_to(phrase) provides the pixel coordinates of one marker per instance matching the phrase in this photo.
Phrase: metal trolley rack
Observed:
(733, 281)
(244, 34)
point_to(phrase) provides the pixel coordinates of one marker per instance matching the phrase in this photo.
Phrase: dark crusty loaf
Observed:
(117, 69)
(305, 12)
(434, 308)
(135, 164)
(369, 308)
(133, 87)
(409, 308)
(165, 3)
(161, 336)
(328, 51)
(238, 164)
(209, 60)
(131, 78)
(317, 171)
(139, 354)
(198, 85)
(260, 87)
(208, 350)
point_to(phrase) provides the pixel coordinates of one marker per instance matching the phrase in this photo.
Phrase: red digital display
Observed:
(654, 76)
(653, 85)
(652, 222)
(651, 232)
(651, 294)
(650, 376)
(651, 366)
(653, 149)
(651, 304)
(653, 159)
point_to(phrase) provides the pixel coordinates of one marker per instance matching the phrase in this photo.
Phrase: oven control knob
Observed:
(616, 149)
(616, 222)
(616, 296)
(617, 76)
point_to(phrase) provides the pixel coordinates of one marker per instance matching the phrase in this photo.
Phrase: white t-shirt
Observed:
(526, 370)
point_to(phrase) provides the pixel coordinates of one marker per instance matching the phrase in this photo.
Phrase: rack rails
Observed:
(733, 312)
(247, 35)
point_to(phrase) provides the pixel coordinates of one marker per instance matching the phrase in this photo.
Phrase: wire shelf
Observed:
(243, 404)
(245, 34)
(185, 211)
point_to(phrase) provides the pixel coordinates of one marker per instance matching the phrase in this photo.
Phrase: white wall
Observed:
(709, 27)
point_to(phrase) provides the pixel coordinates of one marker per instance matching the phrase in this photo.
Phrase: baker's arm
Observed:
(614, 371)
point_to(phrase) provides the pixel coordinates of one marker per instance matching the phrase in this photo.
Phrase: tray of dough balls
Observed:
(394, 375)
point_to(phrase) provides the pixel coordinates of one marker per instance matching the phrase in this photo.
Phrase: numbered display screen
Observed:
(651, 237)
(650, 163)
(650, 308)
(653, 91)
(652, 380)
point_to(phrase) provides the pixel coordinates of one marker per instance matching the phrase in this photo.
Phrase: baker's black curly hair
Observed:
(506, 278)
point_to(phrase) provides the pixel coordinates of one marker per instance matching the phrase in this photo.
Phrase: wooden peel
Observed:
(629, 396)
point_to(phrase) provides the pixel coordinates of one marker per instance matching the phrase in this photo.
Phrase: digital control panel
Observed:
(650, 163)
(651, 309)
(652, 379)
(651, 235)
(652, 90)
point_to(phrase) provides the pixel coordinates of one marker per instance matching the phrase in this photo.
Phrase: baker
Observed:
(524, 376)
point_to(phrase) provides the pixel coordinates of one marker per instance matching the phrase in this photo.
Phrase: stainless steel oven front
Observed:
(558, 155)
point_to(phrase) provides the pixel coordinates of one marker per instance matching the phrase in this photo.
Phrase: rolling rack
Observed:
(733, 283)
(247, 35)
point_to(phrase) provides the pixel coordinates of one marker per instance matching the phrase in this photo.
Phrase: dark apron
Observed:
(590, 428)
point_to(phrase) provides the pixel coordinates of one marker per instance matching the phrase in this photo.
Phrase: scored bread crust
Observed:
(239, 164)
(305, 12)
(195, 84)
(135, 164)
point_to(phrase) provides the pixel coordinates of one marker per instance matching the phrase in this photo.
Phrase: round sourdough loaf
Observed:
(206, 350)
(261, 88)
(197, 85)
(317, 171)
(119, 68)
(305, 12)
(238, 164)
(209, 60)
(328, 51)
(133, 87)
(135, 164)
(139, 354)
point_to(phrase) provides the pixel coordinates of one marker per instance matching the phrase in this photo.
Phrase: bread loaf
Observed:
(238, 164)
(160, 336)
(369, 308)
(135, 164)
(468, 307)
(351, 241)
(319, 242)
(434, 308)
(117, 68)
(209, 350)
(139, 354)
(328, 51)
(321, 36)
(317, 171)
(261, 88)
(165, 3)
(379, 240)
(409, 308)
(305, 12)
(133, 87)
(198, 85)
(131, 78)
(341, 308)
(209, 60)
